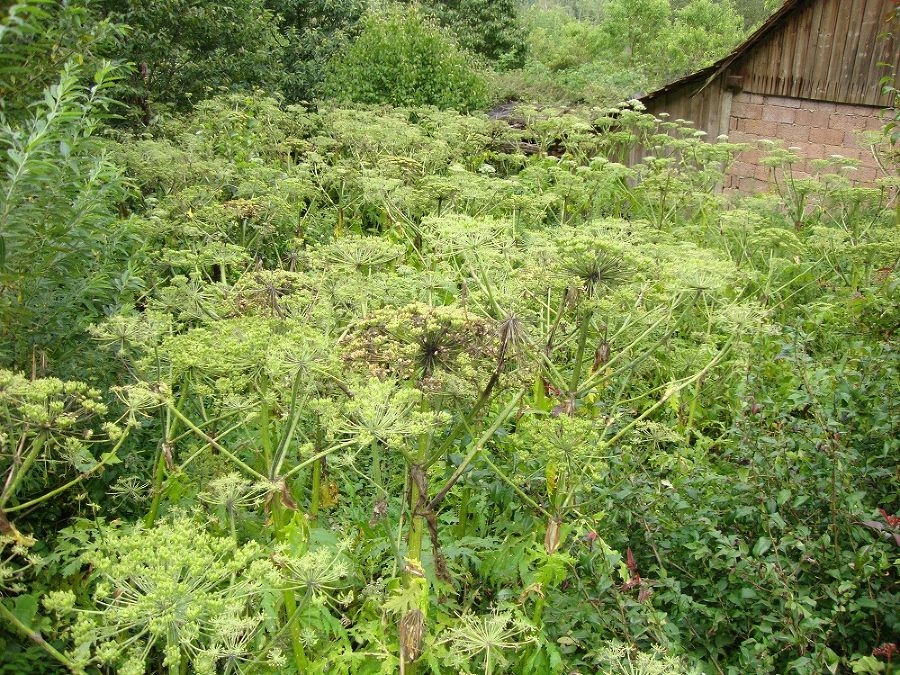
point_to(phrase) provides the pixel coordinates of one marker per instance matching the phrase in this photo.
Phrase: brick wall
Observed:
(817, 130)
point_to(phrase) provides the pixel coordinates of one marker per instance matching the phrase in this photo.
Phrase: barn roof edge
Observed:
(710, 73)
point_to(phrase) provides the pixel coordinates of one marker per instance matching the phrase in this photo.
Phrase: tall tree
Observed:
(185, 50)
(490, 28)
(401, 57)
(703, 31)
(315, 31)
(632, 26)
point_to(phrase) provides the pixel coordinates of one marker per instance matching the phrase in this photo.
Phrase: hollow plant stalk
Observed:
(170, 424)
(38, 639)
(17, 475)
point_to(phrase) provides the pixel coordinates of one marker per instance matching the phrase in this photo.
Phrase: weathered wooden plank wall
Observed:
(826, 50)
(823, 50)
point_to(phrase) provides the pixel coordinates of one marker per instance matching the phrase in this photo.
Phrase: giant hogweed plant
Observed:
(457, 406)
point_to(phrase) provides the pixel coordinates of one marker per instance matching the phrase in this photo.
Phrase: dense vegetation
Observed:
(350, 387)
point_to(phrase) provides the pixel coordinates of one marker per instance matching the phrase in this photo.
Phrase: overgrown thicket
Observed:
(402, 58)
(362, 389)
(597, 51)
(184, 51)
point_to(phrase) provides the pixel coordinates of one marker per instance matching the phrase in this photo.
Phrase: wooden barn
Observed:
(809, 76)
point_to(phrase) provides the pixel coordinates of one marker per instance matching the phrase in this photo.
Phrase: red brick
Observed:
(852, 140)
(762, 173)
(736, 136)
(851, 109)
(760, 128)
(750, 185)
(814, 150)
(826, 136)
(874, 123)
(747, 110)
(821, 106)
(783, 101)
(813, 118)
(799, 173)
(793, 133)
(753, 98)
(846, 122)
(808, 151)
(865, 156)
(865, 175)
(849, 153)
(805, 166)
(742, 169)
(776, 113)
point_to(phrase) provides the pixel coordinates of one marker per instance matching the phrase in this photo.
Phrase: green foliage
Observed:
(702, 32)
(186, 50)
(401, 58)
(40, 38)
(315, 31)
(490, 28)
(632, 26)
(61, 263)
(579, 55)
(404, 388)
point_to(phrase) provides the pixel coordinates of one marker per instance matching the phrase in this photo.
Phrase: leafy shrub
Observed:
(702, 32)
(579, 56)
(490, 28)
(61, 263)
(315, 31)
(401, 58)
(37, 41)
(184, 51)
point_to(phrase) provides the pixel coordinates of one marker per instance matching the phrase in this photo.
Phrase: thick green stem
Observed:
(476, 448)
(537, 616)
(413, 576)
(417, 525)
(158, 475)
(37, 638)
(62, 488)
(579, 355)
(282, 517)
(376, 465)
(232, 527)
(315, 490)
(264, 431)
(33, 452)
(290, 608)
(288, 436)
(230, 455)
(174, 668)
(692, 411)
(463, 519)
